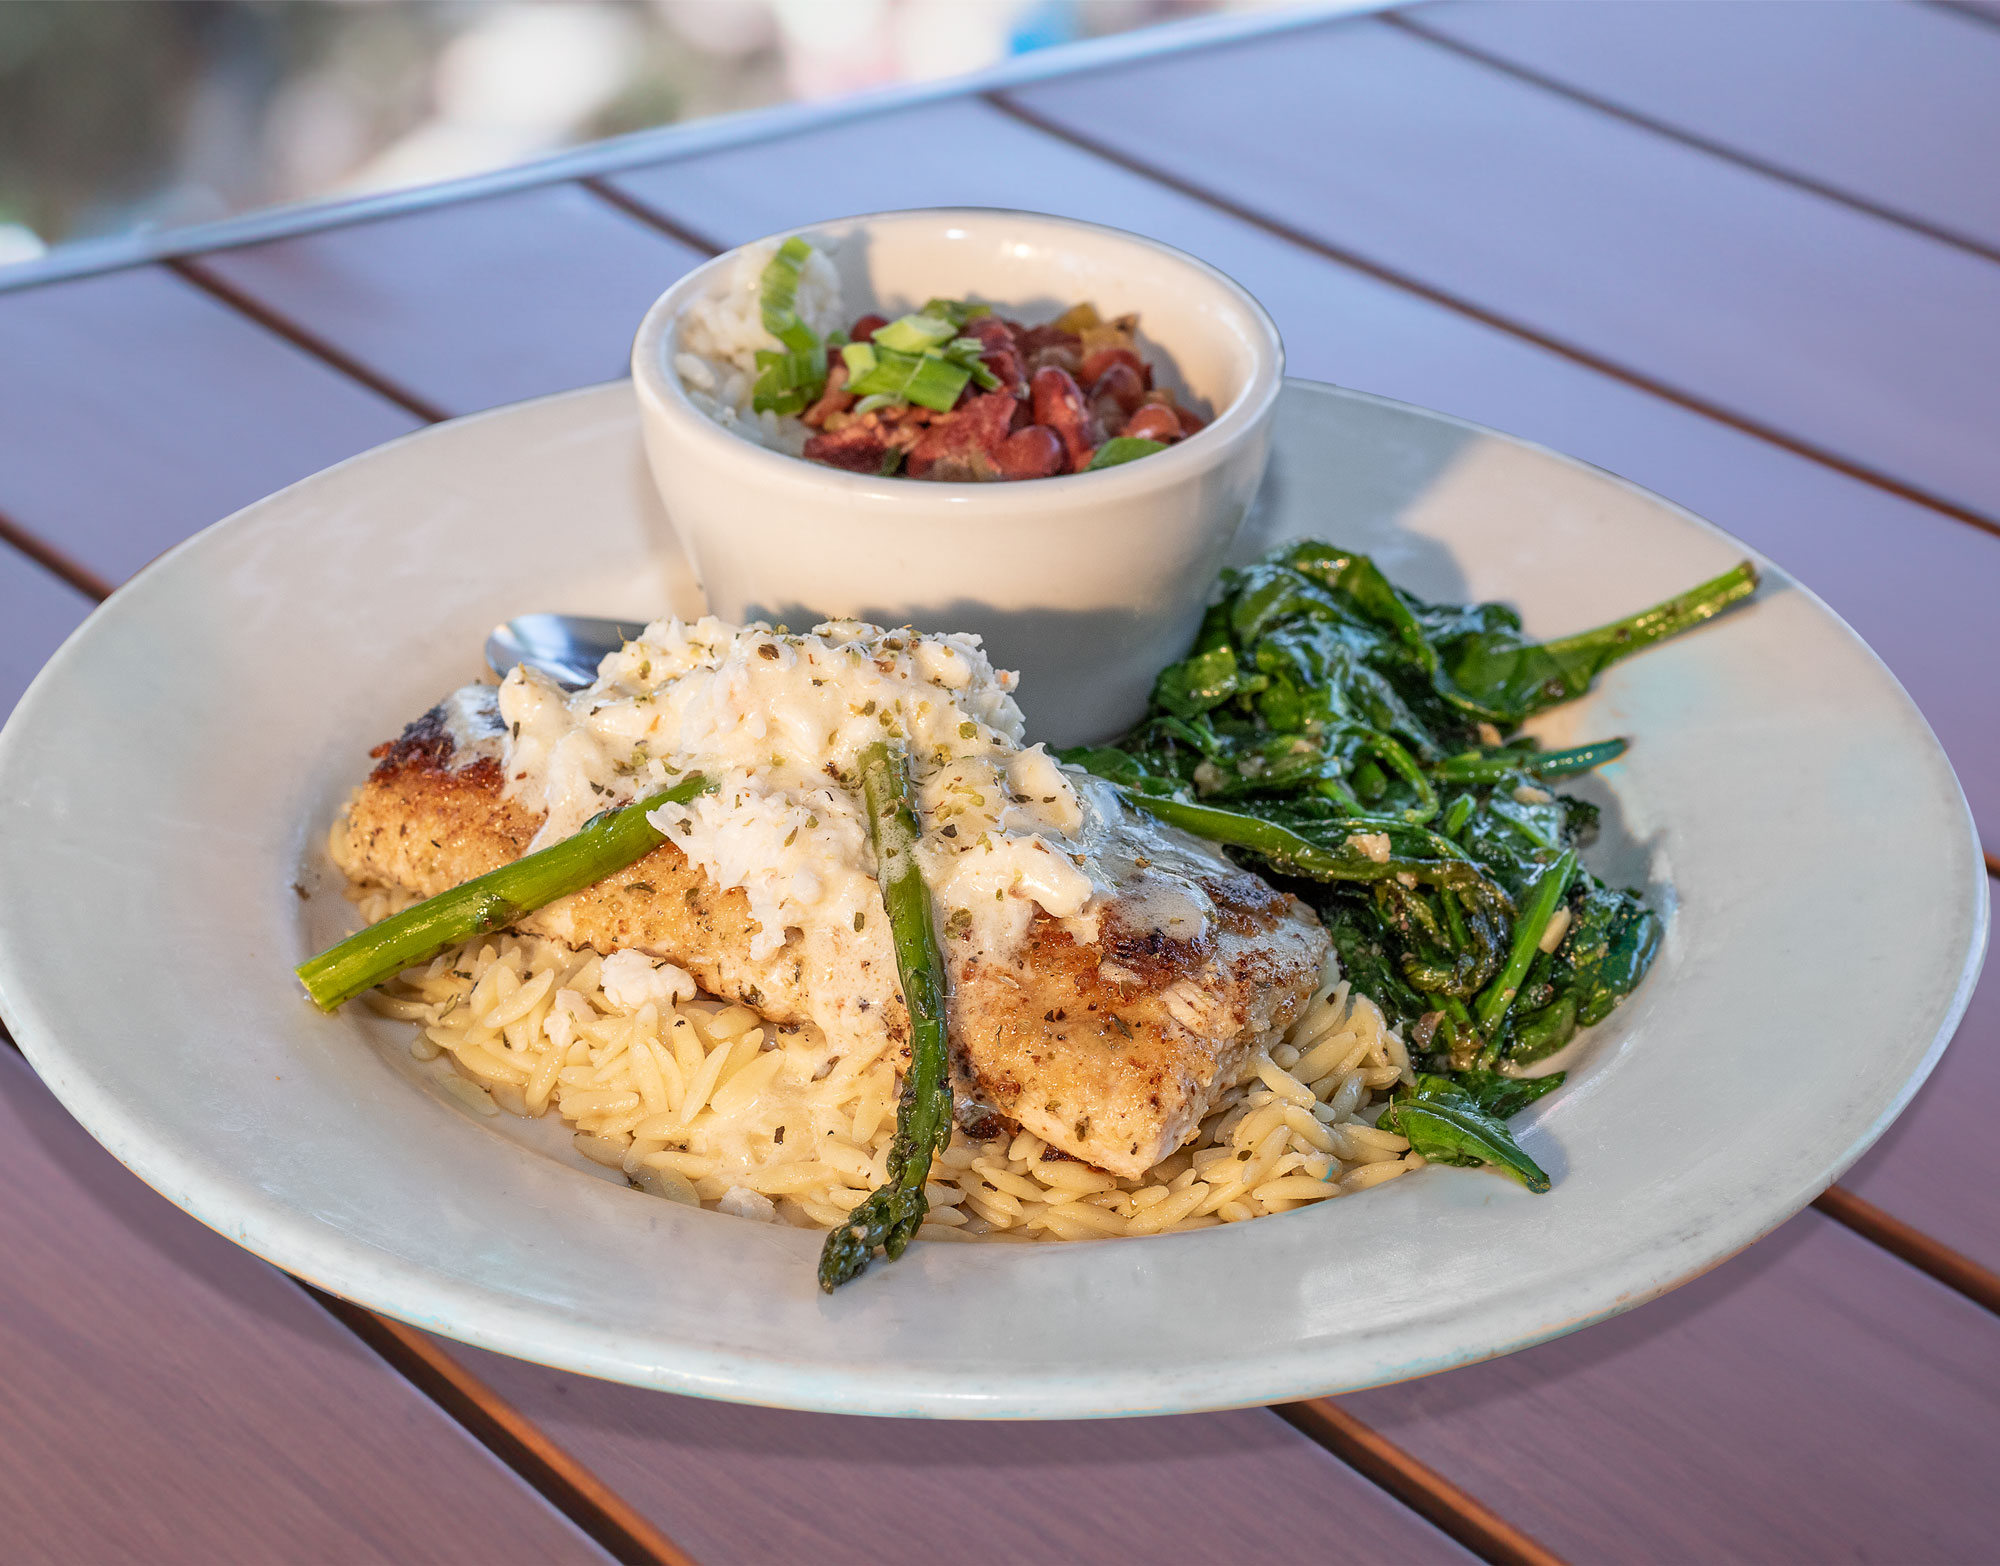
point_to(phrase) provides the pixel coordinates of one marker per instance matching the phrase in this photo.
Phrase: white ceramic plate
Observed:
(168, 779)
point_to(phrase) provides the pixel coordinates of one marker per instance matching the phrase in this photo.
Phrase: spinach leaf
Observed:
(1505, 1097)
(1447, 1126)
(1361, 746)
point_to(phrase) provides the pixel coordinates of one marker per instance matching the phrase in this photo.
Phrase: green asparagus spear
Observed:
(608, 842)
(890, 1216)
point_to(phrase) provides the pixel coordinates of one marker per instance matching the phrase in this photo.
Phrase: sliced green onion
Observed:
(889, 374)
(956, 311)
(877, 400)
(909, 377)
(1123, 448)
(780, 293)
(937, 383)
(860, 359)
(915, 333)
(788, 382)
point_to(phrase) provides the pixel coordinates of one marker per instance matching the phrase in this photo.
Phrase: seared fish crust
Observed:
(1111, 1049)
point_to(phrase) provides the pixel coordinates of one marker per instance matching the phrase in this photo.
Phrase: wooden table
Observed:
(1746, 255)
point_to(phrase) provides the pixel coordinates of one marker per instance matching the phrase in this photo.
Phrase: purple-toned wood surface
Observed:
(169, 1398)
(1848, 334)
(731, 1483)
(135, 410)
(1798, 370)
(1893, 105)
(37, 610)
(1678, 1432)
(1907, 579)
(476, 303)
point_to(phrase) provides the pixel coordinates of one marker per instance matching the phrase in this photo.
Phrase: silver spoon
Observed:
(566, 647)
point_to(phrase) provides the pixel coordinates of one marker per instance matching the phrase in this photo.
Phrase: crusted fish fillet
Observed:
(1111, 1049)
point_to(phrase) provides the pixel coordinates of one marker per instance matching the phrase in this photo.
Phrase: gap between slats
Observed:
(45, 554)
(514, 1439)
(192, 269)
(1416, 28)
(604, 190)
(1899, 1239)
(1861, 472)
(1417, 1485)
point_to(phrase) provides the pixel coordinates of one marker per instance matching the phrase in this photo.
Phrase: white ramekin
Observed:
(1086, 583)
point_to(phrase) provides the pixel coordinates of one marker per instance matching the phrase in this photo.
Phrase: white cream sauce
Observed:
(778, 722)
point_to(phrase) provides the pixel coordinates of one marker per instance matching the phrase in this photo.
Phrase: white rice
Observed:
(715, 350)
(699, 1101)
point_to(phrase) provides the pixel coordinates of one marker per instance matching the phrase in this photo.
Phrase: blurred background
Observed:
(119, 116)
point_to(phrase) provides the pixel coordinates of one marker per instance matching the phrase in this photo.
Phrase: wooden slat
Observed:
(510, 1435)
(1938, 1167)
(1812, 1400)
(37, 610)
(733, 1483)
(168, 1397)
(1849, 337)
(135, 410)
(1909, 580)
(466, 306)
(1892, 106)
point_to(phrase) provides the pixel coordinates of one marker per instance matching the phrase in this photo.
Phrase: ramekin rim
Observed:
(1236, 422)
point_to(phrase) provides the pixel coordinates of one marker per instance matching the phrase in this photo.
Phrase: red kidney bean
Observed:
(1033, 451)
(1000, 356)
(1154, 422)
(1190, 421)
(1033, 339)
(1095, 366)
(1059, 404)
(867, 327)
(1120, 383)
(1055, 358)
(964, 444)
(859, 447)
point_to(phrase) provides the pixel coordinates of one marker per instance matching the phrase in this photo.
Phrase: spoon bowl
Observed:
(566, 647)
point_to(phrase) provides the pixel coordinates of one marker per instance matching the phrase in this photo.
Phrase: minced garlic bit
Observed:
(1375, 845)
